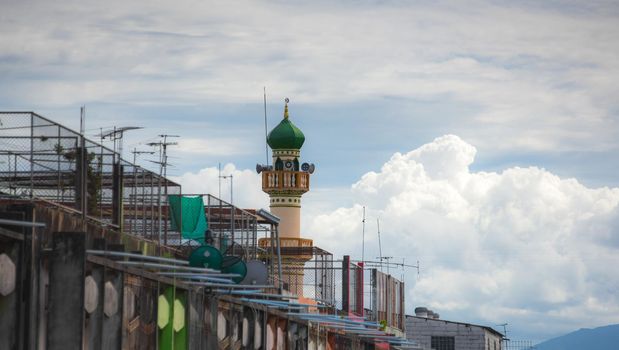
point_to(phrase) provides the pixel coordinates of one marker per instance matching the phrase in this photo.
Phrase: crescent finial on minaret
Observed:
(286, 108)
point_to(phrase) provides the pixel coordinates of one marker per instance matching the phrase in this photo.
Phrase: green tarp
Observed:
(189, 211)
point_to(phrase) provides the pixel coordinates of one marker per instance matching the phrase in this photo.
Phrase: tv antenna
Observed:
(231, 177)
(387, 258)
(163, 169)
(116, 134)
(136, 152)
(504, 325)
(163, 152)
(402, 264)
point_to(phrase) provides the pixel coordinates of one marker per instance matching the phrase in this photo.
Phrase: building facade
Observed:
(437, 334)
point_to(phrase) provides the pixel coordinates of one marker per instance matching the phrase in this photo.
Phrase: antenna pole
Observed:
(82, 120)
(363, 237)
(266, 145)
(219, 167)
(380, 249)
(114, 138)
(163, 164)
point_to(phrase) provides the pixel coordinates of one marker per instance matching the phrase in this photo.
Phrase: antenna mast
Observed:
(82, 120)
(116, 134)
(266, 145)
(136, 152)
(504, 325)
(163, 165)
(380, 249)
(363, 237)
(231, 177)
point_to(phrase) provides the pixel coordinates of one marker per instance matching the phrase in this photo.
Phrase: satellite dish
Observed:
(206, 256)
(257, 273)
(311, 168)
(305, 167)
(260, 168)
(234, 264)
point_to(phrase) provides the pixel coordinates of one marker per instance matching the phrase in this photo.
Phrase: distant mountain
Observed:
(601, 338)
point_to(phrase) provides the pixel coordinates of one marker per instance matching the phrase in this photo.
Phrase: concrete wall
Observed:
(466, 336)
(91, 302)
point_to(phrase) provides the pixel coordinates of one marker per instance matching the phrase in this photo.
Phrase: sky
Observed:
(482, 134)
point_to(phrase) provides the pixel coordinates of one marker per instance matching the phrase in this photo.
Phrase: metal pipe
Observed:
(137, 256)
(197, 277)
(332, 316)
(284, 303)
(270, 303)
(327, 319)
(205, 278)
(365, 324)
(246, 292)
(21, 223)
(165, 266)
(194, 274)
(223, 285)
(241, 292)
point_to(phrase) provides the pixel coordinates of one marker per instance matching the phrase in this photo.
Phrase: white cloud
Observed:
(246, 192)
(542, 77)
(522, 246)
(213, 146)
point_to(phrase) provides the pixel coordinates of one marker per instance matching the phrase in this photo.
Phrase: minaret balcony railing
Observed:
(283, 180)
(292, 248)
(288, 242)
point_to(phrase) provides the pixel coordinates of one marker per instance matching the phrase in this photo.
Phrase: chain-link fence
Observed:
(307, 271)
(509, 344)
(44, 160)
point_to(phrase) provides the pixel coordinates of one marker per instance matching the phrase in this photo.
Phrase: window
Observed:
(443, 343)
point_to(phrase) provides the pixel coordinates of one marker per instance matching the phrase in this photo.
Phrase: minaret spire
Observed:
(286, 108)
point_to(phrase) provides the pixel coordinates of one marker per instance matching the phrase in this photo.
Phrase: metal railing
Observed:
(509, 344)
(277, 180)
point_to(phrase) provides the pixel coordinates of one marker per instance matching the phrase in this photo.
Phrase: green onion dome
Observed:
(286, 135)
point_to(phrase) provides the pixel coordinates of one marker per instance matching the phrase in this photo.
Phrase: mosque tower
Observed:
(285, 182)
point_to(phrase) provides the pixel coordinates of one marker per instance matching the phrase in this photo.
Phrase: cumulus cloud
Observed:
(521, 246)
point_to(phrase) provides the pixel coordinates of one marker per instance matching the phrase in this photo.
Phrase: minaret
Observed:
(285, 183)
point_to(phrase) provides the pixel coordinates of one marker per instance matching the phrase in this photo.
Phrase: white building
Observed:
(430, 332)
